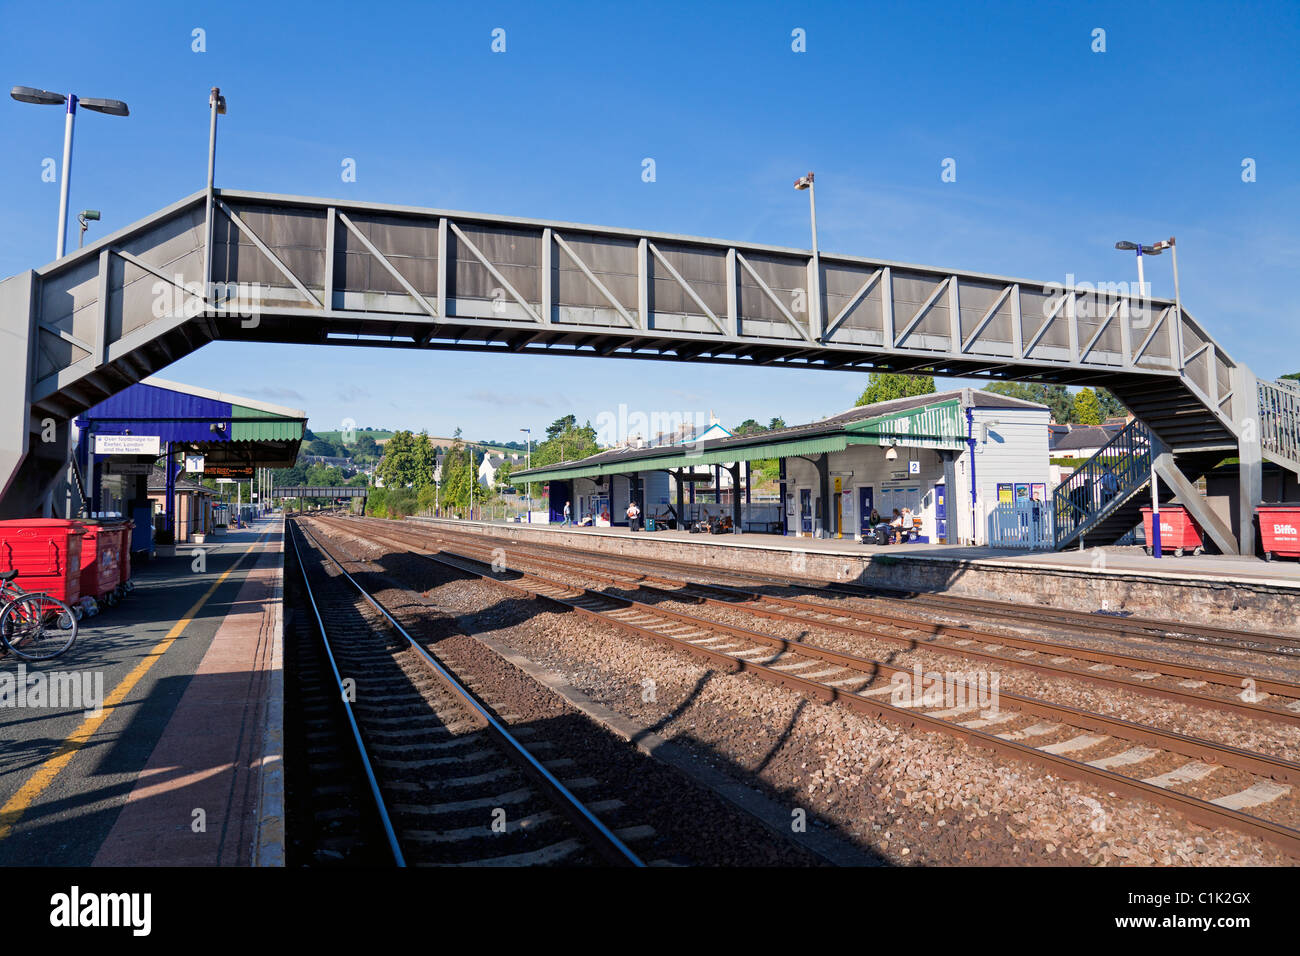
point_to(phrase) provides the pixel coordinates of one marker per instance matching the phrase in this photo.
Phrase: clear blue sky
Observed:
(1060, 151)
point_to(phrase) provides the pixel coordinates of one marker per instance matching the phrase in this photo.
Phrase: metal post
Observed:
(1155, 502)
(1178, 310)
(216, 104)
(782, 490)
(815, 306)
(69, 120)
(970, 443)
(169, 489)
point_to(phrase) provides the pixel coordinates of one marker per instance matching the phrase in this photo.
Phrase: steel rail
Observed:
(1194, 808)
(393, 845)
(605, 840)
(1231, 705)
(1150, 628)
(1250, 761)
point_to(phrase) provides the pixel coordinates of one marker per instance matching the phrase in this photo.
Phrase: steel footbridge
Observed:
(247, 266)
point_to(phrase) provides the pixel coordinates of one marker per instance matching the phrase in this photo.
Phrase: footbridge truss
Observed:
(236, 265)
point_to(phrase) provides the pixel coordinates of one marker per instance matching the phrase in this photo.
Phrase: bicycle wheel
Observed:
(37, 627)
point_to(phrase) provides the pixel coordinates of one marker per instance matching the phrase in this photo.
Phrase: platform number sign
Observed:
(914, 467)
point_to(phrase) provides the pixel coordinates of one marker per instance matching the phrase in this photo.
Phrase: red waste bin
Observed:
(119, 530)
(124, 581)
(1279, 528)
(1178, 532)
(101, 548)
(46, 553)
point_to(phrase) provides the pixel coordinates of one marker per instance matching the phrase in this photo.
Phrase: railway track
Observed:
(1083, 622)
(1256, 694)
(1209, 783)
(449, 781)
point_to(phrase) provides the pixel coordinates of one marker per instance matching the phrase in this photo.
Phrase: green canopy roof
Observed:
(934, 425)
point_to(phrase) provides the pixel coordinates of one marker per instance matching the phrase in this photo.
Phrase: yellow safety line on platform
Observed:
(17, 805)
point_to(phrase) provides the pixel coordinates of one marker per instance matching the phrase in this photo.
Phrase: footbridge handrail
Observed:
(1103, 482)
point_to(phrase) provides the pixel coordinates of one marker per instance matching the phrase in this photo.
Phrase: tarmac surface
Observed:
(71, 774)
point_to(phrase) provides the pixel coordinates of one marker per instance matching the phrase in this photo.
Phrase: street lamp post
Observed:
(27, 94)
(1152, 250)
(528, 463)
(815, 293)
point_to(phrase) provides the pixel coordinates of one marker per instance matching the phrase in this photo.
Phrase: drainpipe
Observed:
(970, 443)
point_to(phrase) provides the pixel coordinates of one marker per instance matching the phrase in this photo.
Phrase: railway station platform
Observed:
(172, 755)
(1206, 589)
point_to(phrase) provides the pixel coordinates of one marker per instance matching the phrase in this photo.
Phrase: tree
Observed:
(1292, 375)
(748, 427)
(408, 461)
(776, 423)
(366, 448)
(1111, 407)
(1087, 410)
(887, 386)
(503, 475)
(561, 425)
(568, 444)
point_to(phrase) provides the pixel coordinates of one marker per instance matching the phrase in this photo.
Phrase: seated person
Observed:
(705, 523)
(896, 527)
(724, 525)
(585, 522)
(907, 527)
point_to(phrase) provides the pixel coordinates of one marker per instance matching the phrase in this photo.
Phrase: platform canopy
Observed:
(233, 434)
(923, 421)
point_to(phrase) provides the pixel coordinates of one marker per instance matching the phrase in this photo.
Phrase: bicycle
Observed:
(33, 625)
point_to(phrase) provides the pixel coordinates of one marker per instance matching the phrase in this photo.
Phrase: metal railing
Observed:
(1279, 419)
(1103, 482)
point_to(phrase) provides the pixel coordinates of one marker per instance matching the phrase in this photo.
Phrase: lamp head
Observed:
(28, 94)
(111, 107)
(804, 182)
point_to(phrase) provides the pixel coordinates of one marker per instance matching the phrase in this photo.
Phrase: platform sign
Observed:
(194, 464)
(127, 468)
(228, 471)
(128, 445)
(914, 467)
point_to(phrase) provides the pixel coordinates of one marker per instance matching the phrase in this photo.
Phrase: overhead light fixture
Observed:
(891, 453)
(1152, 250)
(97, 105)
(28, 94)
(804, 182)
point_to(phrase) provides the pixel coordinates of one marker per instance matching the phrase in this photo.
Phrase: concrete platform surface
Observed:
(1243, 594)
(174, 755)
(1281, 572)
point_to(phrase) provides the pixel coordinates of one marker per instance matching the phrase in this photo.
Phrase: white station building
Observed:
(972, 465)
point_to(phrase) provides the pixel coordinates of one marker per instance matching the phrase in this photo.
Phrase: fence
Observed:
(1026, 524)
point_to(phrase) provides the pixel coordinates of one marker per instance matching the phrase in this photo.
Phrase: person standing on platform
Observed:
(566, 514)
(633, 516)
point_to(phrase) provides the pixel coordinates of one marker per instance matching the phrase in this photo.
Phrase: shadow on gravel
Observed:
(676, 806)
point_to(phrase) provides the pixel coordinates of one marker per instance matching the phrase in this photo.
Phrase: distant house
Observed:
(488, 469)
(1080, 441)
